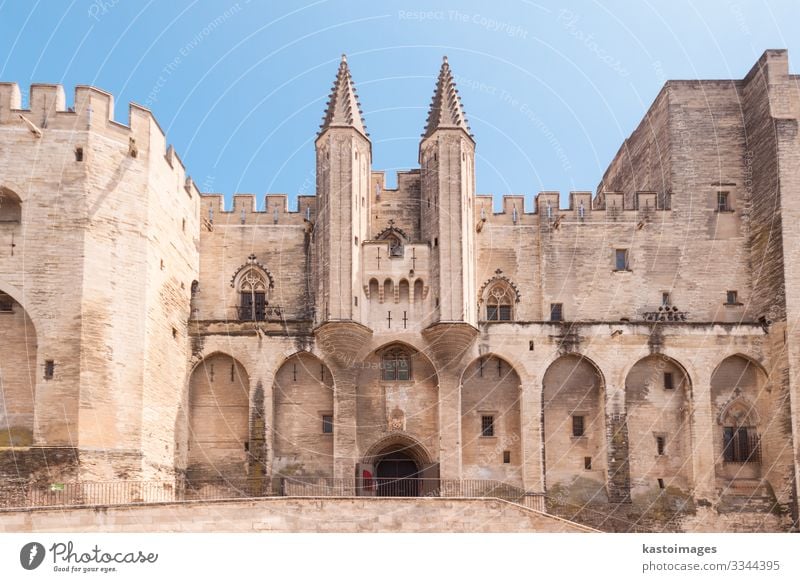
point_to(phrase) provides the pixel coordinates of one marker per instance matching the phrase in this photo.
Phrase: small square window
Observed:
(669, 381)
(621, 260)
(327, 424)
(660, 444)
(487, 426)
(577, 426)
(723, 202)
(731, 298)
(587, 463)
(78, 154)
(49, 369)
(661, 484)
(506, 457)
(556, 312)
(6, 303)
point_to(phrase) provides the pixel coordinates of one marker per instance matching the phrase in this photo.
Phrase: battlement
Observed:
(405, 180)
(245, 211)
(92, 111)
(582, 207)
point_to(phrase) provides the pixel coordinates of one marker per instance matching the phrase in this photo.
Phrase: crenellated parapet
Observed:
(583, 208)
(275, 210)
(47, 116)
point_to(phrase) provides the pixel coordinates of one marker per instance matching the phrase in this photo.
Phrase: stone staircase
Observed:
(750, 495)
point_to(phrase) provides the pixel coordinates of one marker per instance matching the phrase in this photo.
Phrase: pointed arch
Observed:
(657, 412)
(574, 427)
(744, 409)
(303, 422)
(252, 282)
(399, 441)
(258, 270)
(499, 295)
(396, 238)
(18, 372)
(218, 418)
(491, 420)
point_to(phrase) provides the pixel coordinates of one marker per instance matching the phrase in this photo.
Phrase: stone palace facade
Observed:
(633, 354)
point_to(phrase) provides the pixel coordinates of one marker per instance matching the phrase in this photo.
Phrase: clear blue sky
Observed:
(550, 90)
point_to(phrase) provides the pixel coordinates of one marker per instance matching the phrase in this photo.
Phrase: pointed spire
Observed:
(344, 109)
(446, 111)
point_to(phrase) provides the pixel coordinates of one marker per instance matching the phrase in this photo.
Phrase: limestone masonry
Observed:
(633, 357)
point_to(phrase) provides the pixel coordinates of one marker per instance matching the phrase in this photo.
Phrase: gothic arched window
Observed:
(499, 303)
(252, 295)
(395, 365)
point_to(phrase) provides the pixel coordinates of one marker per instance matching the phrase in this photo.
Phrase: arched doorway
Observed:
(397, 474)
(397, 465)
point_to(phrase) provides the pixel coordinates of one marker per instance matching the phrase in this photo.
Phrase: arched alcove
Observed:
(491, 442)
(742, 406)
(303, 418)
(219, 419)
(657, 395)
(574, 429)
(18, 374)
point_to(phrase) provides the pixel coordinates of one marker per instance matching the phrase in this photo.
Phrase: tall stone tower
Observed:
(447, 188)
(447, 161)
(344, 163)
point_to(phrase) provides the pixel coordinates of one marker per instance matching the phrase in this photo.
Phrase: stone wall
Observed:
(295, 515)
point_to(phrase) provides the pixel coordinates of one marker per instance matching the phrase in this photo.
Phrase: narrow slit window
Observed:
(506, 457)
(669, 381)
(6, 303)
(660, 445)
(49, 369)
(78, 154)
(621, 260)
(327, 424)
(587, 463)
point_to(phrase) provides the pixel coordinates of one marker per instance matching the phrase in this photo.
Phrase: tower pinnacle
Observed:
(343, 109)
(446, 111)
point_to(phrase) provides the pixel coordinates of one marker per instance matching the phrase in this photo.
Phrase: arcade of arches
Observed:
(589, 447)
